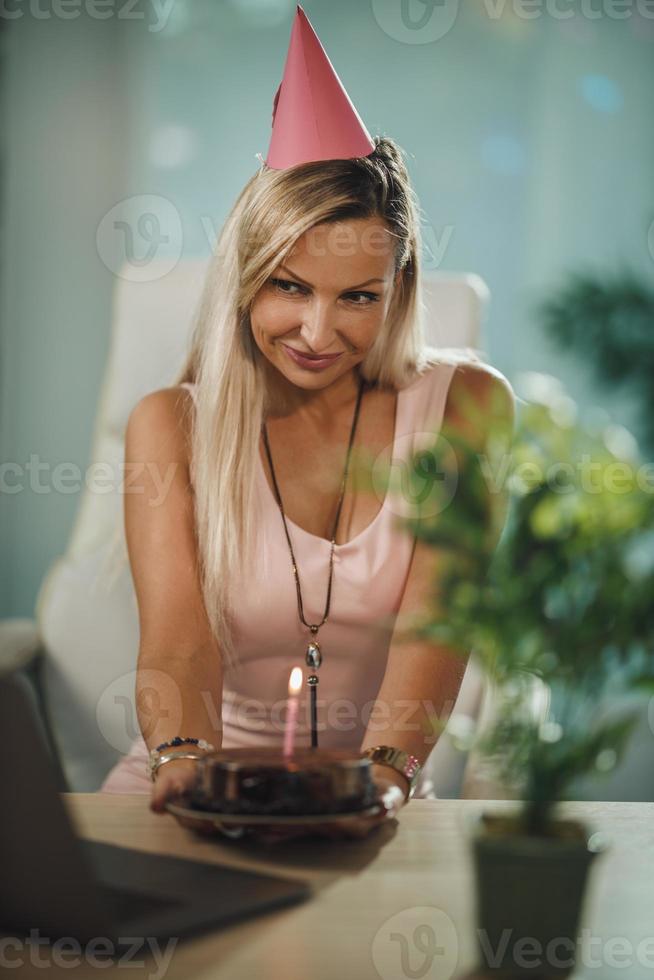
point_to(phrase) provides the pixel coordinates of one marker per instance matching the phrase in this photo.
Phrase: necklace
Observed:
(313, 656)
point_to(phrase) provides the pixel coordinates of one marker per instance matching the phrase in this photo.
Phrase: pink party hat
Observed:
(313, 117)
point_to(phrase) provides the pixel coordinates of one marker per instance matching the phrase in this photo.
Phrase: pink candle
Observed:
(294, 687)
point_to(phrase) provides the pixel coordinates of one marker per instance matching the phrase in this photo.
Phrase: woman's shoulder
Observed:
(480, 402)
(161, 418)
(465, 368)
(164, 405)
(476, 393)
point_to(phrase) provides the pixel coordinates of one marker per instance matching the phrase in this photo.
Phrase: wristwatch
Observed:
(403, 762)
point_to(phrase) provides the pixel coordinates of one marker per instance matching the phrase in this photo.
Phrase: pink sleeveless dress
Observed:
(370, 574)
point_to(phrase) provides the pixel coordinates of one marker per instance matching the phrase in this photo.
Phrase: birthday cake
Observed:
(264, 781)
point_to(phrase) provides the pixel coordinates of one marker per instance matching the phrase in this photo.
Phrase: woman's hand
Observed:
(392, 794)
(172, 779)
(391, 798)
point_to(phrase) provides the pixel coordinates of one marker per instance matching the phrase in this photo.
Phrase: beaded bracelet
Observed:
(178, 740)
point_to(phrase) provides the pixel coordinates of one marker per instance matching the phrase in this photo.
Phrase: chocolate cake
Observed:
(264, 782)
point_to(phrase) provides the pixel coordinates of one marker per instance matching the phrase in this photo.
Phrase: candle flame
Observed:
(295, 680)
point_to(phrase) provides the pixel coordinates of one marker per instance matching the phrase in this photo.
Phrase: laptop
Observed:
(61, 885)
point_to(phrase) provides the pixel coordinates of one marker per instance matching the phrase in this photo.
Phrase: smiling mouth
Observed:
(314, 357)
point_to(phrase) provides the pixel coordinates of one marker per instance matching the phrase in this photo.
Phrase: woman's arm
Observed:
(422, 679)
(179, 674)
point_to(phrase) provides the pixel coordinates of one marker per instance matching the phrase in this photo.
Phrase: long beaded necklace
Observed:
(314, 653)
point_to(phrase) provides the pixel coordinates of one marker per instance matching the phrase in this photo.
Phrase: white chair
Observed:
(83, 643)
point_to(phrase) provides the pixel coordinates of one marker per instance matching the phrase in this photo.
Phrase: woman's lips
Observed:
(311, 363)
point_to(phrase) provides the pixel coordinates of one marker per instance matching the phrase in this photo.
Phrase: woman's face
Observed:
(320, 311)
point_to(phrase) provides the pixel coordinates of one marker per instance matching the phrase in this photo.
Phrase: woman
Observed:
(313, 292)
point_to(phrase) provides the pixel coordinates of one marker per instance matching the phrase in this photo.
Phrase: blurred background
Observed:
(530, 139)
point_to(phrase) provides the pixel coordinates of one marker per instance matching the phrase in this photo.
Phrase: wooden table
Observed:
(372, 894)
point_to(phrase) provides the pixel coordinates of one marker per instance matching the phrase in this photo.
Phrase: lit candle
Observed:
(294, 687)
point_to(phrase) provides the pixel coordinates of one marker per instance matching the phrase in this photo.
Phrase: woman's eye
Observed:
(369, 297)
(281, 284)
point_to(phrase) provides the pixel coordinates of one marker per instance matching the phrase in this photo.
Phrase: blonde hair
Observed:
(274, 209)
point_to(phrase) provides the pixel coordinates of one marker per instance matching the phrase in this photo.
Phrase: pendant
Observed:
(314, 655)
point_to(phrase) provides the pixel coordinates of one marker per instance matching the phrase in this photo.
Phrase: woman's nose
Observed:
(318, 328)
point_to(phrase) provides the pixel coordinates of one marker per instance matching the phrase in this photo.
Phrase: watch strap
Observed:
(398, 759)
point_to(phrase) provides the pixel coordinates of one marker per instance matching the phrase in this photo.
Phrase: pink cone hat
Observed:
(313, 117)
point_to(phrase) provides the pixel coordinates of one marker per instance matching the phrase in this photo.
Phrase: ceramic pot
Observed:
(530, 891)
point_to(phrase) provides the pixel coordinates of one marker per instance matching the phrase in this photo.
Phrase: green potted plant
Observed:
(559, 614)
(605, 317)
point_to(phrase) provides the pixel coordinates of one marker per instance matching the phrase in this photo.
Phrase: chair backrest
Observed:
(89, 624)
